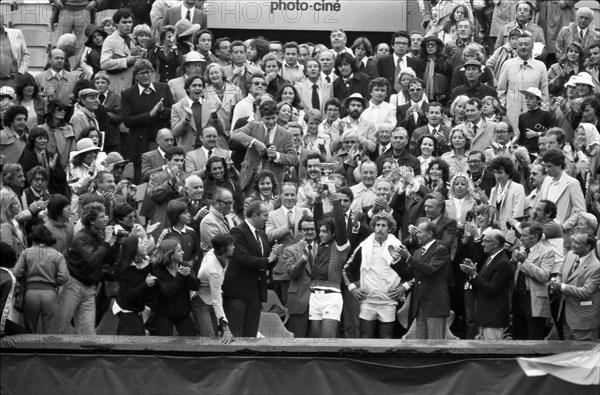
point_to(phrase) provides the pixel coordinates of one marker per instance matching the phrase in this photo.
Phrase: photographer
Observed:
(84, 260)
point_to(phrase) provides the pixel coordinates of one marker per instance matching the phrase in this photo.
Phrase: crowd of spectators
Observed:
(443, 185)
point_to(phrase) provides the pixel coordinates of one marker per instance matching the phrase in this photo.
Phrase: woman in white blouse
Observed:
(427, 149)
(460, 200)
(209, 313)
(459, 154)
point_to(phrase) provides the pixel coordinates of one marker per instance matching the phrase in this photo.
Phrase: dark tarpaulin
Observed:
(92, 374)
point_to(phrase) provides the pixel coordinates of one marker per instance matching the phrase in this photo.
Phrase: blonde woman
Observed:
(460, 144)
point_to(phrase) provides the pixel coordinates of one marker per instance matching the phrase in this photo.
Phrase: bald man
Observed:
(581, 31)
(56, 82)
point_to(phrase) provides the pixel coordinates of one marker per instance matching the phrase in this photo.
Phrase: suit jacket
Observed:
(213, 224)
(570, 34)
(512, 206)
(184, 127)
(409, 122)
(358, 83)
(581, 297)
(253, 161)
(569, 200)
(299, 272)
(18, 48)
(246, 276)
(410, 208)
(161, 192)
(194, 224)
(10, 235)
(386, 68)
(113, 59)
(445, 233)
(538, 267)
(57, 182)
(152, 162)
(277, 229)
(491, 286)
(173, 15)
(196, 159)
(11, 145)
(304, 89)
(142, 126)
(483, 138)
(61, 89)
(241, 81)
(423, 130)
(430, 290)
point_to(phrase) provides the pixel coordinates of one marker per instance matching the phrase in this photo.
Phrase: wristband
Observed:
(562, 287)
(407, 285)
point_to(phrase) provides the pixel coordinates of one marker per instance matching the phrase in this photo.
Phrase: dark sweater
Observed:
(133, 291)
(86, 256)
(529, 120)
(174, 293)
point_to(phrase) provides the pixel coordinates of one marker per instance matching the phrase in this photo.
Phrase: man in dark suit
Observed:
(270, 147)
(187, 10)
(146, 109)
(429, 266)
(399, 151)
(390, 67)
(412, 115)
(196, 206)
(491, 286)
(433, 128)
(245, 284)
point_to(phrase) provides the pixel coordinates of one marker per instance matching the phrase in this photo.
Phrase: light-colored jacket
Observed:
(538, 267)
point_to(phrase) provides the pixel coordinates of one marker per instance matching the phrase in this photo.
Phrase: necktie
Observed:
(127, 40)
(475, 130)
(147, 91)
(197, 111)
(226, 223)
(188, 16)
(328, 80)
(290, 221)
(102, 97)
(44, 159)
(423, 251)
(310, 254)
(262, 252)
(315, 97)
(383, 149)
(434, 131)
(574, 268)
(521, 286)
(581, 36)
(397, 85)
(210, 152)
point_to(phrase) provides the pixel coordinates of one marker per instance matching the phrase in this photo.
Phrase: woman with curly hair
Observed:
(437, 176)
(61, 137)
(175, 281)
(460, 144)
(457, 112)
(363, 50)
(427, 149)
(492, 110)
(448, 33)
(460, 202)
(28, 96)
(265, 189)
(218, 175)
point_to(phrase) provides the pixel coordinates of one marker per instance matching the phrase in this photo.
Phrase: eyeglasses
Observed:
(474, 161)
(256, 83)
(404, 44)
(309, 229)
(229, 203)
(431, 44)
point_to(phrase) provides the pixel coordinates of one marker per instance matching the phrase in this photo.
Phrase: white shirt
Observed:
(420, 104)
(190, 101)
(57, 75)
(184, 12)
(379, 113)
(403, 63)
(426, 247)
(141, 88)
(554, 188)
(331, 76)
(458, 203)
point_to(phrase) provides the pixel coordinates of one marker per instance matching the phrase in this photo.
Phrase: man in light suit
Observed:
(154, 161)
(116, 56)
(192, 114)
(306, 88)
(19, 52)
(298, 259)
(146, 109)
(216, 221)
(245, 284)
(196, 160)
(390, 66)
(562, 189)
(579, 287)
(282, 227)
(530, 303)
(56, 82)
(270, 147)
(240, 72)
(491, 285)
(187, 10)
(573, 33)
(429, 267)
(480, 129)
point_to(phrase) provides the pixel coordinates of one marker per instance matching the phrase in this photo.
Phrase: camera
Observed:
(120, 233)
